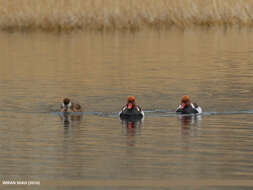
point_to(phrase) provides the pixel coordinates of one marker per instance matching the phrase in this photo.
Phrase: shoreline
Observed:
(101, 15)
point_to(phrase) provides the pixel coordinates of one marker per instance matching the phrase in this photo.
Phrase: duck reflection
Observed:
(131, 123)
(71, 119)
(190, 128)
(131, 128)
(187, 121)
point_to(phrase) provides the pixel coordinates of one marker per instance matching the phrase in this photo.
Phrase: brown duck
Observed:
(69, 106)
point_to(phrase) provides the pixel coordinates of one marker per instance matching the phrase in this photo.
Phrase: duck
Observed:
(131, 110)
(69, 106)
(186, 107)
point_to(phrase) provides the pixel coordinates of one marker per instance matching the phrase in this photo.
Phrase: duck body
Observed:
(189, 109)
(131, 111)
(135, 113)
(132, 114)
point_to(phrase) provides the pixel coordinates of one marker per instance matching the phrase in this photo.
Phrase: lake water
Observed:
(99, 70)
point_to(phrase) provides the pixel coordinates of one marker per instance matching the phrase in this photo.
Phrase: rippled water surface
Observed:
(99, 70)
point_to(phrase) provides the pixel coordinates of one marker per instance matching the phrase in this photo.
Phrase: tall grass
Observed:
(122, 14)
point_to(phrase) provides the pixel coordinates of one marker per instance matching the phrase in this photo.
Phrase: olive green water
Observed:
(99, 70)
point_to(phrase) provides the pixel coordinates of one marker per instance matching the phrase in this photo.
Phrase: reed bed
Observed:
(122, 14)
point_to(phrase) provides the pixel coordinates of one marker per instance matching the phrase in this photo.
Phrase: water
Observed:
(99, 70)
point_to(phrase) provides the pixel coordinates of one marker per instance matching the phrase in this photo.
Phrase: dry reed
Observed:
(122, 14)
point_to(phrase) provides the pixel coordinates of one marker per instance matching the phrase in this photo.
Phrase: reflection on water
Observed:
(71, 119)
(131, 128)
(130, 124)
(187, 121)
(189, 124)
(99, 70)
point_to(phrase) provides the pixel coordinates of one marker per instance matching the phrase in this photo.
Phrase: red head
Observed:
(130, 102)
(185, 99)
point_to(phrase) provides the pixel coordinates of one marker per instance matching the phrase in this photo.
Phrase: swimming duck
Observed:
(186, 107)
(131, 110)
(69, 106)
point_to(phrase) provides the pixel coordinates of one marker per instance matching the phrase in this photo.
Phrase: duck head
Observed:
(185, 100)
(130, 102)
(66, 104)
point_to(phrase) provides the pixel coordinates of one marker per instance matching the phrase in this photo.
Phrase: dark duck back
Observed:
(131, 111)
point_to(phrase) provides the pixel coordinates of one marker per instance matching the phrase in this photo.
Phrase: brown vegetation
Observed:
(122, 14)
